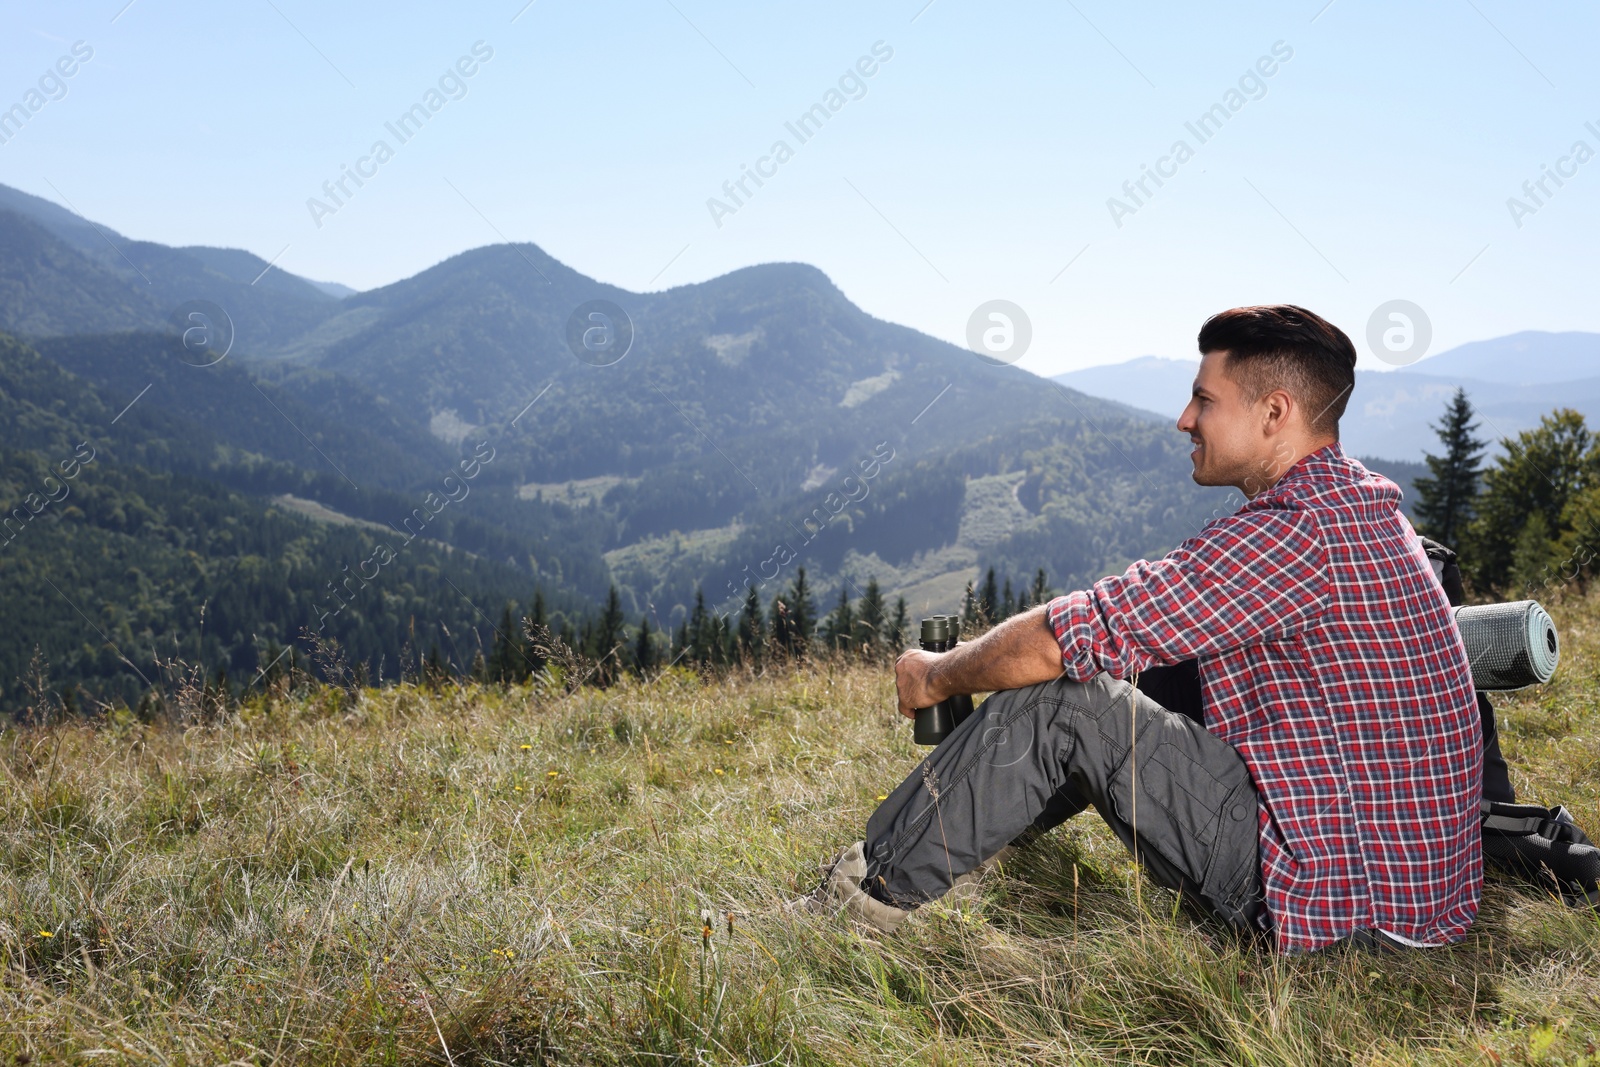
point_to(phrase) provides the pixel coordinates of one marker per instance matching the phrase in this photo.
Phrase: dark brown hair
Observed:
(1281, 346)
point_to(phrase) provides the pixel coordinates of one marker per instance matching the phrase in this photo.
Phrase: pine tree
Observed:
(533, 660)
(751, 633)
(503, 657)
(680, 644)
(1008, 601)
(895, 632)
(802, 614)
(988, 600)
(839, 631)
(870, 617)
(607, 636)
(1041, 587)
(700, 635)
(644, 650)
(728, 643)
(969, 610)
(782, 625)
(716, 640)
(1445, 501)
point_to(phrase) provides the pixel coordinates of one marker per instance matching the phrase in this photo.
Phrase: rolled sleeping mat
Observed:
(1509, 645)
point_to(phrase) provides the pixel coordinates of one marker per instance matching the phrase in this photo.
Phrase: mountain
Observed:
(759, 422)
(768, 349)
(1512, 381)
(122, 556)
(1156, 385)
(1532, 357)
(62, 274)
(303, 421)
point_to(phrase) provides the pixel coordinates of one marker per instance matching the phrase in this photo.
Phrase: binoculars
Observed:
(940, 633)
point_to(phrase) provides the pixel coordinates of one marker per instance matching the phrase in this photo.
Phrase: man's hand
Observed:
(912, 680)
(1020, 651)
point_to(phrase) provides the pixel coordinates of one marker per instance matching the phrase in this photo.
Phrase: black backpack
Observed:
(1540, 845)
(1537, 845)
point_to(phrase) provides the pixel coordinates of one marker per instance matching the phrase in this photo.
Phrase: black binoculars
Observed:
(940, 633)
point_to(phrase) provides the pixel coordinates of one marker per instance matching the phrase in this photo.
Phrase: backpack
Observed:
(1541, 846)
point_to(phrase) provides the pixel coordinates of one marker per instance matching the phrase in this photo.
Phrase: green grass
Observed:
(476, 876)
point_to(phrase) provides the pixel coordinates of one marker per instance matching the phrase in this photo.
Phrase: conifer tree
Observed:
(716, 641)
(751, 633)
(532, 660)
(680, 645)
(644, 650)
(503, 656)
(802, 614)
(969, 610)
(989, 601)
(840, 628)
(608, 632)
(728, 640)
(700, 635)
(1008, 601)
(895, 631)
(870, 617)
(782, 625)
(1445, 501)
(1041, 587)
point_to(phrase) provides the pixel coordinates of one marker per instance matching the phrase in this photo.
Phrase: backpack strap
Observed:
(1522, 820)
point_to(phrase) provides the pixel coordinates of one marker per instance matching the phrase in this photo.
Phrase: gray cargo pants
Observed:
(1028, 759)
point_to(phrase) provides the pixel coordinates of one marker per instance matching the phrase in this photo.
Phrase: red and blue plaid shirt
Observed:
(1330, 660)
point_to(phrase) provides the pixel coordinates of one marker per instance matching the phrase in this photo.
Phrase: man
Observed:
(1331, 793)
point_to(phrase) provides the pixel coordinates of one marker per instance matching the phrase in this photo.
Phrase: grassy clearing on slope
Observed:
(474, 876)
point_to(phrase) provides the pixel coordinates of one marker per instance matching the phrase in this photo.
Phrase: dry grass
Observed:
(483, 877)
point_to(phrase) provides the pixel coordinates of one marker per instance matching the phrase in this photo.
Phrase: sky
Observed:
(977, 161)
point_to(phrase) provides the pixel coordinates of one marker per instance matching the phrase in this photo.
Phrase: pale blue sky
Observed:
(978, 163)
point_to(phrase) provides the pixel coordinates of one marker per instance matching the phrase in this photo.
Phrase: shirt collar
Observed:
(1326, 464)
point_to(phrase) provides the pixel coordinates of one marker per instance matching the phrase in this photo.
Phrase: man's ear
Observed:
(1277, 408)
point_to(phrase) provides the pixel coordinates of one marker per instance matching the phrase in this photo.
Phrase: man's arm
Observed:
(1249, 577)
(1020, 651)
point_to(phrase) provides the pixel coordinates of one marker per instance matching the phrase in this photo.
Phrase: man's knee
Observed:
(1099, 691)
(1042, 723)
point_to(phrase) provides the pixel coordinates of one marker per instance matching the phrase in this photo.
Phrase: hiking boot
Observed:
(841, 888)
(968, 888)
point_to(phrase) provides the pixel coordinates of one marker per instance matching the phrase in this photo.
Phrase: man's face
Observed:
(1230, 445)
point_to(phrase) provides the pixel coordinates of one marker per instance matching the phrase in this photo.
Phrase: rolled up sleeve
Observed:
(1250, 577)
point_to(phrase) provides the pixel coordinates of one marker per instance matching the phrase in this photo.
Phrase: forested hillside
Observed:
(134, 540)
(758, 423)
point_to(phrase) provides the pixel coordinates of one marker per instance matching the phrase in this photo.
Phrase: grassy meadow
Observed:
(477, 876)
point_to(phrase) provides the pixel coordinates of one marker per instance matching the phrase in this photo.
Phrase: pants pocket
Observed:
(1194, 819)
(1189, 793)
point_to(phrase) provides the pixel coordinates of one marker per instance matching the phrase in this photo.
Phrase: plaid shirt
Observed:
(1331, 662)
